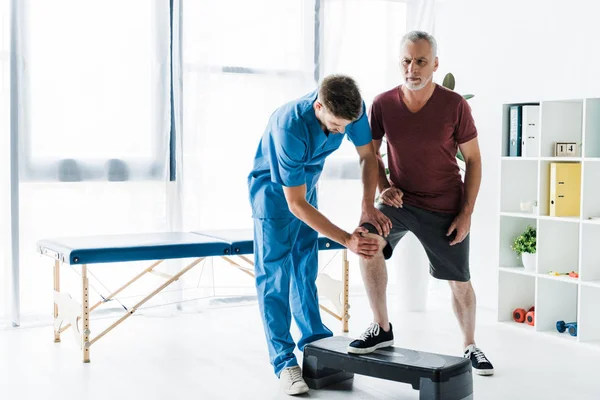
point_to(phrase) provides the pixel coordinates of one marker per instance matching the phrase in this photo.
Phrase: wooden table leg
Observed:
(346, 283)
(85, 315)
(56, 289)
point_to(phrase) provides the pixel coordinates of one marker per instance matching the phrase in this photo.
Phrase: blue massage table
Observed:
(231, 245)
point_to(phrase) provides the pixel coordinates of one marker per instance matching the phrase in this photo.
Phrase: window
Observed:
(241, 60)
(96, 88)
(361, 38)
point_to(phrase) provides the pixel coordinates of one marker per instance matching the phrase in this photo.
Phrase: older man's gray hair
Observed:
(413, 36)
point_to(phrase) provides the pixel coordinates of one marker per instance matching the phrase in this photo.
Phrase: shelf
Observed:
(508, 158)
(518, 325)
(591, 127)
(546, 217)
(518, 215)
(563, 336)
(510, 228)
(561, 278)
(556, 300)
(561, 121)
(591, 190)
(560, 219)
(592, 284)
(564, 244)
(591, 221)
(518, 183)
(589, 325)
(522, 294)
(590, 252)
(557, 246)
(517, 270)
(559, 159)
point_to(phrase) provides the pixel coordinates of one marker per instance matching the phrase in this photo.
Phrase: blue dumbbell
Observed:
(561, 326)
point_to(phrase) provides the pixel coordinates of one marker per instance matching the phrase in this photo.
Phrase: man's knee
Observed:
(380, 240)
(461, 288)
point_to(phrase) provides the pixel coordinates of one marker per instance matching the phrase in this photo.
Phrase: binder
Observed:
(530, 128)
(514, 139)
(565, 189)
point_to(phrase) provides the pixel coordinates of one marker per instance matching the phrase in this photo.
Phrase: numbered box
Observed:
(565, 149)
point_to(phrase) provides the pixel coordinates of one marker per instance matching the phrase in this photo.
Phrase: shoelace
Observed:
(295, 375)
(479, 356)
(372, 330)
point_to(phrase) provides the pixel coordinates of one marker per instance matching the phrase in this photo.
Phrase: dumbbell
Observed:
(530, 317)
(519, 315)
(561, 326)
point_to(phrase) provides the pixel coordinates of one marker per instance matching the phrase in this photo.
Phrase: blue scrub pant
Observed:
(286, 264)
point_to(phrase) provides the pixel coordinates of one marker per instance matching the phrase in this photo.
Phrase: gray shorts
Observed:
(445, 261)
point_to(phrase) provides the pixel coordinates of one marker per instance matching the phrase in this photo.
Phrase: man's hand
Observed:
(392, 197)
(378, 219)
(363, 246)
(462, 225)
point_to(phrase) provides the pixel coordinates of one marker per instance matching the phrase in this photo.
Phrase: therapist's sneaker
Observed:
(292, 382)
(374, 338)
(481, 365)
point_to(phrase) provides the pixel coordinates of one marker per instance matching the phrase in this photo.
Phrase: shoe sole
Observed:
(484, 372)
(296, 391)
(367, 350)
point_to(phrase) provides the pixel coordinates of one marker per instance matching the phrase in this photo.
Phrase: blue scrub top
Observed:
(292, 152)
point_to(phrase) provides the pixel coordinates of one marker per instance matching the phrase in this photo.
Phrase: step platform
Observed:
(436, 376)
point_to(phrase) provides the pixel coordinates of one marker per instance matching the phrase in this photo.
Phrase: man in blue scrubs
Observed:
(283, 195)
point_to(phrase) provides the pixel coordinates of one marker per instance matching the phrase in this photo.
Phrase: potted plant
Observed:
(525, 247)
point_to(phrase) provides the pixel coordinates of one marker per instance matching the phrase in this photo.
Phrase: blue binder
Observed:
(515, 129)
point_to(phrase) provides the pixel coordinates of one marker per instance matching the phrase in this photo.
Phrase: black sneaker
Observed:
(479, 361)
(374, 338)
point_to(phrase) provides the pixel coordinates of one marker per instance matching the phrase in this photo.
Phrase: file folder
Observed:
(514, 139)
(530, 128)
(565, 189)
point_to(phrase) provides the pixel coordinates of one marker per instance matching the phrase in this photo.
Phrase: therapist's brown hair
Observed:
(341, 96)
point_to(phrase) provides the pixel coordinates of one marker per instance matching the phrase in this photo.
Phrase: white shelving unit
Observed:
(564, 244)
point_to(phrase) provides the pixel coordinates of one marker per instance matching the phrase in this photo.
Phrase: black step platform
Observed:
(436, 376)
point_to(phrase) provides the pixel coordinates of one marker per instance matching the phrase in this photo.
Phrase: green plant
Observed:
(525, 242)
(449, 82)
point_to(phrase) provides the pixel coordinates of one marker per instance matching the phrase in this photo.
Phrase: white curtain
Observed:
(239, 66)
(362, 39)
(421, 16)
(94, 120)
(5, 243)
(241, 60)
(95, 127)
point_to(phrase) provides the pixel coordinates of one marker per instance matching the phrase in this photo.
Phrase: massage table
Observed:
(231, 245)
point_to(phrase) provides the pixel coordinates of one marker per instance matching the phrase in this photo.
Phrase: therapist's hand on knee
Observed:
(378, 219)
(358, 243)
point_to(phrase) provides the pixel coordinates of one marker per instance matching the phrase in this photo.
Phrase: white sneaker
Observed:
(292, 382)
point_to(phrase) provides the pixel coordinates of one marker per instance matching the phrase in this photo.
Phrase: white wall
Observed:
(511, 51)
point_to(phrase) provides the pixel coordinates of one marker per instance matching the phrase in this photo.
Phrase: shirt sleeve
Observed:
(465, 125)
(288, 157)
(375, 120)
(360, 131)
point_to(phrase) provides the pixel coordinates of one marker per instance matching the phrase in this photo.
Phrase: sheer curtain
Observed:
(362, 38)
(94, 124)
(241, 60)
(5, 243)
